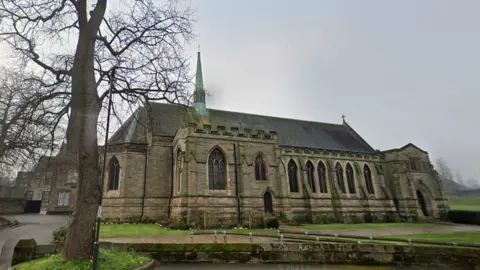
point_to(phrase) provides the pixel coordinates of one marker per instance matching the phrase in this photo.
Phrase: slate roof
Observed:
(167, 118)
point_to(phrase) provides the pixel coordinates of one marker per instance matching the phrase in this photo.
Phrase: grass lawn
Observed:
(108, 260)
(133, 230)
(360, 226)
(464, 204)
(457, 237)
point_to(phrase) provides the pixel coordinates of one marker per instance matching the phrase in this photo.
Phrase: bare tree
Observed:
(459, 178)
(443, 170)
(142, 40)
(28, 123)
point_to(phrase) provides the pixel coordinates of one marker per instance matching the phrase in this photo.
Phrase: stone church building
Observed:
(212, 168)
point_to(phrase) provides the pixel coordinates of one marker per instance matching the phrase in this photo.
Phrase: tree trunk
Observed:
(83, 147)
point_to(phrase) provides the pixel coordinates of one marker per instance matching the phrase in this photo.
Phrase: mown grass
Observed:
(361, 226)
(134, 230)
(108, 260)
(467, 204)
(138, 230)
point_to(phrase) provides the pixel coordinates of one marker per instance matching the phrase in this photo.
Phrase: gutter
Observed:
(144, 183)
(239, 216)
(171, 187)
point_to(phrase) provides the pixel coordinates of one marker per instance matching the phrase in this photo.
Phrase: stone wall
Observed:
(323, 253)
(409, 170)
(10, 206)
(175, 183)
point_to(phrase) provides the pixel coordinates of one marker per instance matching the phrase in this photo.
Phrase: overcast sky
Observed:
(401, 71)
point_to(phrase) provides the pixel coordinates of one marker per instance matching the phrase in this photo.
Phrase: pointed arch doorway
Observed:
(267, 203)
(422, 203)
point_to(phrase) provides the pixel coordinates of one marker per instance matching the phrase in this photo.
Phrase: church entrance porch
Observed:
(422, 203)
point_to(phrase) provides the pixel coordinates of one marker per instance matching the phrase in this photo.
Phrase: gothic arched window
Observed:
(260, 168)
(310, 176)
(179, 169)
(367, 174)
(341, 183)
(114, 174)
(322, 177)
(216, 170)
(350, 179)
(292, 176)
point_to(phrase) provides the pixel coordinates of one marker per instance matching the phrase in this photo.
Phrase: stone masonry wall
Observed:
(10, 206)
(321, 253)
(181, 164)
(125, 204)
(189, 201)
(406, 179)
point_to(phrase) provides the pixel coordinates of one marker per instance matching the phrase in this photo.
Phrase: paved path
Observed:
(186, 239)
(394, 231)
(36, 226)
(221, 266)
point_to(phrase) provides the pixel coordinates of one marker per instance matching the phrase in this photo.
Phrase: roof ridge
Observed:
(278, 117)
(253, 114)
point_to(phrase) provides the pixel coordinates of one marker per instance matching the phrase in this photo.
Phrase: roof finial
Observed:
(343, 119)
(198, 48)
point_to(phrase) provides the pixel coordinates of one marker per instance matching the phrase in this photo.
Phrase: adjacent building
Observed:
(50, 187)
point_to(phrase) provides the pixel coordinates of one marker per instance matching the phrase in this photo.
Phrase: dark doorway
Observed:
(421, 202)
(32, 206)
(267, 202)
(395, 203)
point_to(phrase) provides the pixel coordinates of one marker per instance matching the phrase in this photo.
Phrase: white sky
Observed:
(401, 71)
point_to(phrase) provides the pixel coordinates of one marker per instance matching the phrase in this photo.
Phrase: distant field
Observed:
(456, 237)
(464, 204)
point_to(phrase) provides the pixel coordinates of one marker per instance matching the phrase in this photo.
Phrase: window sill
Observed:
(321, 195)
(112, 193)
(218, 192)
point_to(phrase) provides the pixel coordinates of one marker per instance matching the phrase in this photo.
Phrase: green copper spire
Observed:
(199, 94)
(199, 76)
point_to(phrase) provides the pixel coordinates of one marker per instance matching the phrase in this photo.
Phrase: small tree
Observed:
(141, 39)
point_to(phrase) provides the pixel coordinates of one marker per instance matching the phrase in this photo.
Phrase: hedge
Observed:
(464, 217)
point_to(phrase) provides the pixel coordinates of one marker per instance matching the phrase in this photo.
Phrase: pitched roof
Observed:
(167, 118)
(405, 147)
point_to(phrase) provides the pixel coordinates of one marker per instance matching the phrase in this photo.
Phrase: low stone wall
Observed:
(323, 253)
(10, 206)
(27, 249)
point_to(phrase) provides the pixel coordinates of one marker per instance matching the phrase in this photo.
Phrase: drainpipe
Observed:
(239, 216)
(171, 187)
(144, 183)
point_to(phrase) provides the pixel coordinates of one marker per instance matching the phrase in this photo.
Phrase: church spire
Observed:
(199, 94)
